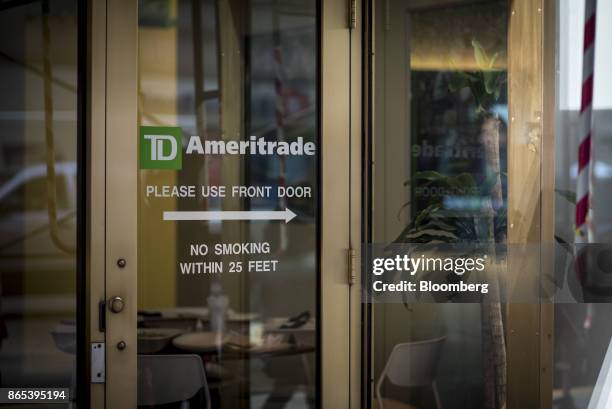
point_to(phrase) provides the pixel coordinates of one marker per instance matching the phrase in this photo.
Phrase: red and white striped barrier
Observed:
(584, 233)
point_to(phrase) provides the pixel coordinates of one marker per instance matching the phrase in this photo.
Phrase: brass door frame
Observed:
(113, 172)
(357, 70)
(121, 190)
(531, 170)
(112, 194)
(341, 137)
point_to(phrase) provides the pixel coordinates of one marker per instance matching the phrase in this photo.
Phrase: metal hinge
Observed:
(351, 265)
(352, 14)
(98, 362)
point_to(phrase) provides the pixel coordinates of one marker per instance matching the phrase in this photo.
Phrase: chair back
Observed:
(166, 379)
(414, 363)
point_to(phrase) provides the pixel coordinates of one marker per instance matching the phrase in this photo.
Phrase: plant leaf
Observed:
(490, 81)
(564, 244)
(399, 212)
(438, 224)
(482, 60)
(492, 61)
(429, 175)
(461, 181)
(567, 195)
(425, 213)
(431, 232)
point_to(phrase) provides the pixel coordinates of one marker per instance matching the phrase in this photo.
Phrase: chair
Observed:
(412, 364)
(164, 379)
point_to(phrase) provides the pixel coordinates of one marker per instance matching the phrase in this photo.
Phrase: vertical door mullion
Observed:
(335, 151)
(355, 205)
(96, 190)
(121, 199)
(531, 76)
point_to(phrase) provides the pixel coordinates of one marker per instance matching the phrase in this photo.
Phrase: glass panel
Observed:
(38, 193)
(440, 115)
(227, 281)
(582, 330)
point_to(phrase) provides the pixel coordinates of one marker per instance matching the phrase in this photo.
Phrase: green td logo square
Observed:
(161, 147)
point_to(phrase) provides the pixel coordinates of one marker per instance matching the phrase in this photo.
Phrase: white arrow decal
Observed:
(286, 215)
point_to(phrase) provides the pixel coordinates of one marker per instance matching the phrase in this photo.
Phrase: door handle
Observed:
(116, 304)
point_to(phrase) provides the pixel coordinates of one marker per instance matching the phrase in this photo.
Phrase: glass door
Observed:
(42, 205)
(227, 198)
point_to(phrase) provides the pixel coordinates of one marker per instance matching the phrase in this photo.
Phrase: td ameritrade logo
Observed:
(161, 147)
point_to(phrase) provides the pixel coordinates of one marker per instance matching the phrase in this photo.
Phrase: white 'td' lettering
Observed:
(157, 147)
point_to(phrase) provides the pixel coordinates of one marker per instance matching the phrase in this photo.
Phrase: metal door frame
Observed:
(112, 195)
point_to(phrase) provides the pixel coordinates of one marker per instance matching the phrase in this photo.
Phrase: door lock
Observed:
(116, 304)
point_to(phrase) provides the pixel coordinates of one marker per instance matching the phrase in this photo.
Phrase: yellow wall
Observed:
(158, 92)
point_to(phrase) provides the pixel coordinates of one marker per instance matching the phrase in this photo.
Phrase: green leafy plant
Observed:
(437, 224)
(485, 84)
(570, 196)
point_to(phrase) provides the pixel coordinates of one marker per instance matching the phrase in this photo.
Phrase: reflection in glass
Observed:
(582, 331)
(229, 70)
(38, 194)
(440, 113)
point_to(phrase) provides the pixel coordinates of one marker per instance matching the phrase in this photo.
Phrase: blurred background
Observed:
(38, 194)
